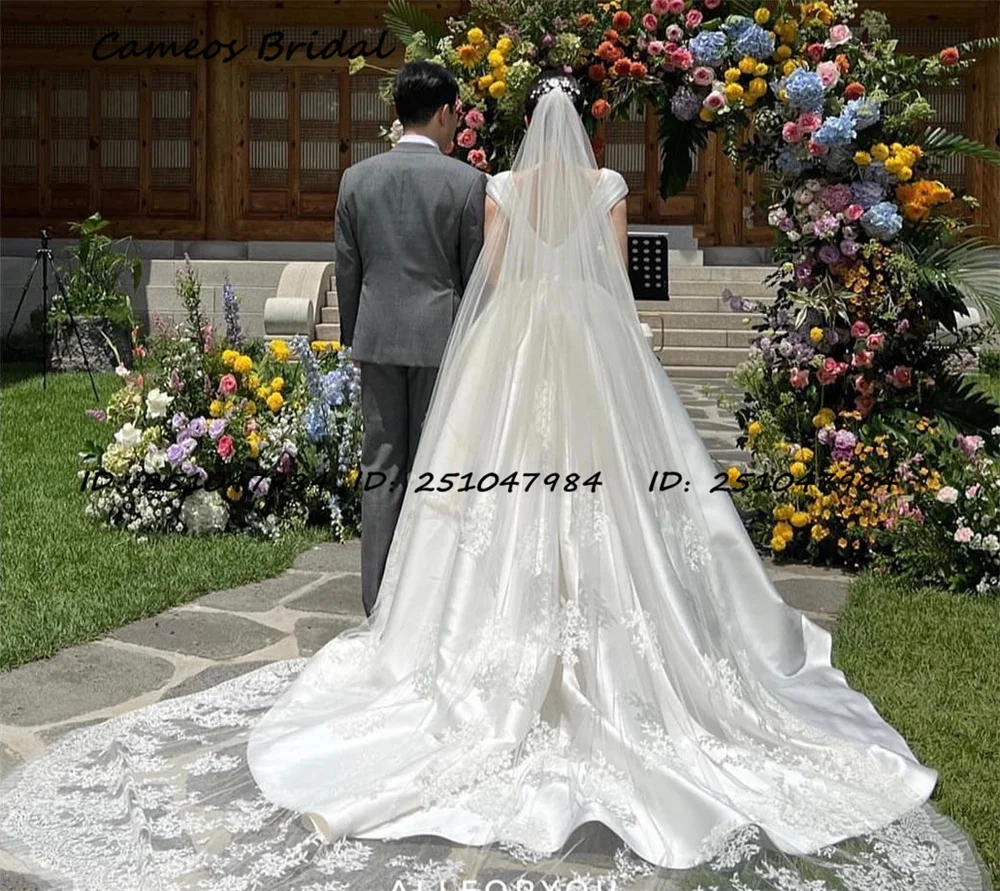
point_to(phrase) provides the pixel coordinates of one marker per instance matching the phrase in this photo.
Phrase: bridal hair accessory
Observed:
(549, 82)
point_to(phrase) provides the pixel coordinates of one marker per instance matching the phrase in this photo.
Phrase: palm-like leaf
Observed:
(971, 46)
(969, 268)
(963, 404)
(943, 143)
(404, 20)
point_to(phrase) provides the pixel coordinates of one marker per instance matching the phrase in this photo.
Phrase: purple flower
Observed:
(179, 421)
(285, 463)
(197, 428)
(825, 435)
(188, 444)
(175, 381)
(260, 486)
(216, 427)
(867, 193)
(98, 414)
(175, 454)
(844, 444)
(838, 197)
(829, 254)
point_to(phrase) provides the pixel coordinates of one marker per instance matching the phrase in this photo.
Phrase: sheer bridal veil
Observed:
(559, 687)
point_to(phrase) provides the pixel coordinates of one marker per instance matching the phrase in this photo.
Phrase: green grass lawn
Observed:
(66, 579)
(928, 661)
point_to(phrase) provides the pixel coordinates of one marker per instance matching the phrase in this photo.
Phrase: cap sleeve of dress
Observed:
(495, 186)
(615, 187)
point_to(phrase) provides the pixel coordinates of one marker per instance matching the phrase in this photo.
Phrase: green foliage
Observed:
(404, 20)
(942, 143)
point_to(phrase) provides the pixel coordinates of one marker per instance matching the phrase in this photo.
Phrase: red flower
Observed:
(608, 51)
(949, 56)
(585, 20)
(853, 90)
(901, 377)
(623, 67)
(621, 20)
(600, 108)
(637, 69)
(815, 51)
(612, 35)
(843, 63)
(597, 72)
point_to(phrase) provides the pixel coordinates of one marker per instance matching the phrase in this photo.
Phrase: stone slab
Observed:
(338, 595)
(8, 759)
(331, 557)
(314, 632)
(815, 595)
(211, 676)
(195, 633)
(15, 881)
(259, 596)
(76, 681)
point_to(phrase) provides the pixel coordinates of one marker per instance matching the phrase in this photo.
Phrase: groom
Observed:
(408, 230)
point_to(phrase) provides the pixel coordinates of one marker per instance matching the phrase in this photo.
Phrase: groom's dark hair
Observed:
(421, 89)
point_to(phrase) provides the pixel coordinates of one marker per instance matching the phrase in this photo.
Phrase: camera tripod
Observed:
(44, 256)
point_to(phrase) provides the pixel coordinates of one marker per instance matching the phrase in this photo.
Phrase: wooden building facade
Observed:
(198, 148)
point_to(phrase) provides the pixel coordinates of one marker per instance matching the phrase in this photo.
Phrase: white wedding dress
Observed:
(543, 667)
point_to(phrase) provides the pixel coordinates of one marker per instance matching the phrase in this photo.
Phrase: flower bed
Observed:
(214, 433)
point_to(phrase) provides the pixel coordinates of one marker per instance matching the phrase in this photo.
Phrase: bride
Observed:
(560, 662)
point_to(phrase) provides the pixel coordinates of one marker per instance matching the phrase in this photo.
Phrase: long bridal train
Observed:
(546, 665)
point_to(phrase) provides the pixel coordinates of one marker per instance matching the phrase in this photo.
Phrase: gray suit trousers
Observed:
(394, 401)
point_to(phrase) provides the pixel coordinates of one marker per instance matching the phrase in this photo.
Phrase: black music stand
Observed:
(648, 260)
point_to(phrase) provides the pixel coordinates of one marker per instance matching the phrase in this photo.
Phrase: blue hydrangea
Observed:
(315, 421)
(867, 193)
(840, 159)
(836, 131)
(805, 90)
(708, 48)
(863, 111)
(788, 162)
(685, 104)
(754, 41)
(736, 25)
(883, 221)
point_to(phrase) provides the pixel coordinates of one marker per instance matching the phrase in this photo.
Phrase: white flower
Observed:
(121, 371)
(154, 461)
(204, 512)
(947, 494)
(395, 132)
(129, 435)
(156, 403)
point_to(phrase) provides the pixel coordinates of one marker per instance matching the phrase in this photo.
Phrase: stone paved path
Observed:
(227, 633)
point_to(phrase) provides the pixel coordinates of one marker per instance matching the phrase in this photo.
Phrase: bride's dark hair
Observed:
(553, 79)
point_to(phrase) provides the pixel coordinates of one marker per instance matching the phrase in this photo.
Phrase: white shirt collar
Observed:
(418, 137)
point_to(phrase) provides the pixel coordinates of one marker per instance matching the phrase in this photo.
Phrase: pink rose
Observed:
(864, 386)
(649, 21)
(791, 132)
(816, 149)
(799, 378)
(810, 121)
(864, 404)
(682, 58)
(829, 74)
(815, 51)
(854, 213)
(839, 35)
(703, 76)
(860, 329)
(675, 34)
(228, 385)
(675, 7)
(901, 377)
(969, 445)
(714, 101)
(693, 18)
(474, 119)
(225, 447)
(947, 495)
(963, 534)
(862, 359)
(466, 139)
(655, 48)
(660, 7)
(713, 4)
(875, 341)
(477, 158)
(972, 491)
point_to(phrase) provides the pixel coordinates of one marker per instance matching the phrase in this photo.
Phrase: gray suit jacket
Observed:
(408, 230)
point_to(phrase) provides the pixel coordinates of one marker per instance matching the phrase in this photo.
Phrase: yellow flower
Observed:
(485, 81)
(905, 173)
(253, 381)
(234, 493)
(777, 544)
(251, 408)
(706, 114)
(761, 69)
(501, 72)
(732, 75)
(468, 55)
(782, 53)
(279, 349)
(799, 519)
(907, 157)
(798, 469)
(263, 392)
(880, 151)
(841, 542)
(896, 148)
(278, 384)
(253, 444)
(755, 428)
(475, 36)
(733, 92)
(862, 159)
(916, 151)
(228, 357)
(783, 512)
(318, 345)
(497, 89)
(242, 364)
(818, 532)
(815, 334)
(894, 165)
(216, 409)
(783, 530)
(823, 418)
(747, 64)
(335, 346)
(505, 44)
(733, 474)
(789, 67)
(275, 401)
(807, 456)
(762, 15)
(758, 87)
(352, 476)
(495, 59)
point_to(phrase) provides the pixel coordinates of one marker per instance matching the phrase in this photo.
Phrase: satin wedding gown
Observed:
(548, 662)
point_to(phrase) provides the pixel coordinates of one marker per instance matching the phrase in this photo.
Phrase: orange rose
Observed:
(949, 56)
(623, 67)
(853, 90)
(637, 69)
(611, 35)
(621, 20)
(600, 108)
(585, 20)
(608, 51)
(597, 72)
(842, 63)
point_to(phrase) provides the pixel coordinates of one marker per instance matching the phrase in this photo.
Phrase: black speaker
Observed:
(648, 255)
